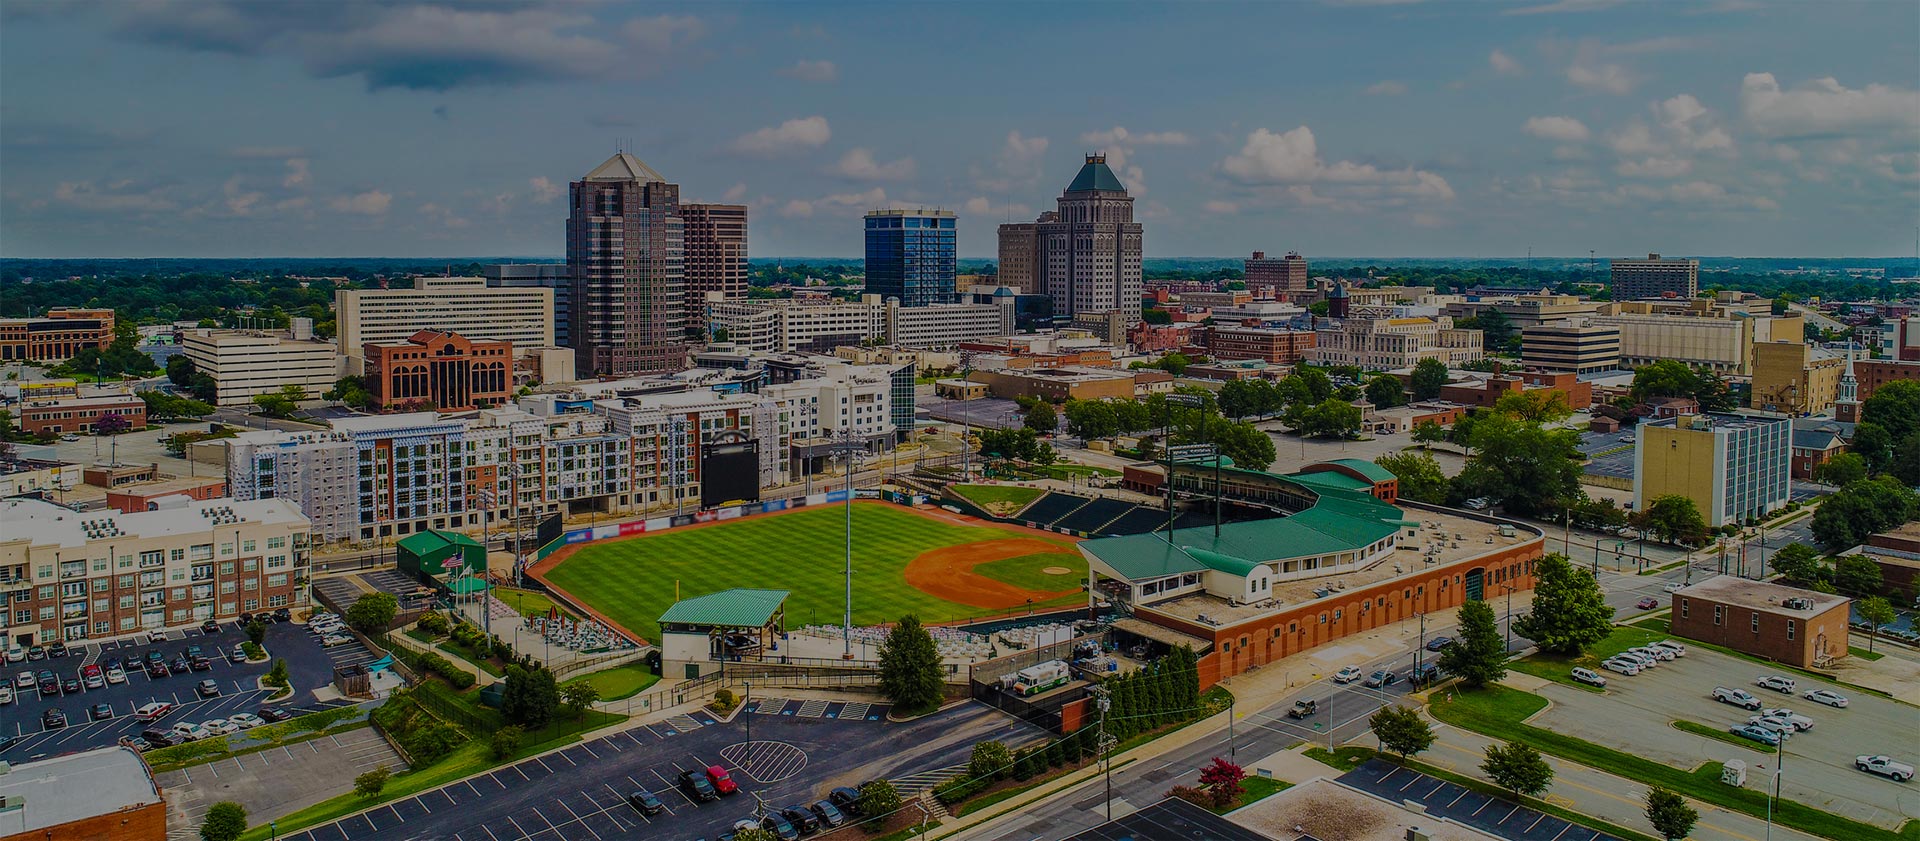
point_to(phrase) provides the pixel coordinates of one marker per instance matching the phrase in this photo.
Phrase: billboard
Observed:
(729, 473)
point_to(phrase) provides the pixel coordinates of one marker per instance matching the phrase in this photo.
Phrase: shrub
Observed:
(224, 822)
(256, 632)
(989, 761)
(372, 782)
(253, 650)
(278, 675)
(433, 622)
(506, 740)
(723, 700)
(502, 650)
(1192, 795)
(953, 791)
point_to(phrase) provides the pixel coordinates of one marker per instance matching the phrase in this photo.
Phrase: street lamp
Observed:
(744, 703)
(1510, 589)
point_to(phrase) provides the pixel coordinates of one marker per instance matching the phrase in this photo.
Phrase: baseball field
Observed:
(939, 566)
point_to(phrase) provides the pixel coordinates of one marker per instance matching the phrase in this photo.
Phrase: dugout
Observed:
(700, 634)
(435, 557)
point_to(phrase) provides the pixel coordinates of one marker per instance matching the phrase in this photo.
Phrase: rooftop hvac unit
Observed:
(1415, 833)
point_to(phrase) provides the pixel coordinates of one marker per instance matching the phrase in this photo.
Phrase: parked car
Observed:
(1347, 675)
(778, 824)
(1625, 667)
(283, 615)
(830, 815)
(53, 719)
(190, 731)
(100, 712)
(157, 669)
(274, 714)
(1678, 649)
(210, 627)
(219, 726)
(56, 649)
(1756, 733)
(644, 800)
(23, 680)
(848, 799)
(116, 675)
(1664, 655)
(1380, 678)
(49, 685)
(245, 721)
(201, 664)
(1438, 643)
(1899, 772)
(1780, 726)
(1736, 697)
(1303, 708)
(162, 740)
(93, 676)
(207, 689)
(238, 654)
(1674, 587)
(697, 787)
(156, 636)
(1589, 677)
(138, 744)
(1777, 683)
(1800, 723)
(721, 781)
(180, 666)
(37, 653)
(1823, 696)
(1648, 603)
(16, 654)
(71, 686)
(1636, 658)
(153, 711)
(801, 818)
(6, 695)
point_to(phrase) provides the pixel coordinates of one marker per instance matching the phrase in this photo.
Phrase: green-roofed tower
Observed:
(1086, 254)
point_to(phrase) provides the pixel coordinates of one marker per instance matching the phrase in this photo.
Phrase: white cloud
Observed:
(735, 193)
(663, 32)
(791, 136)
(297, 174)
(123, 195)
(240, 201)
(1023, 149)
(860, 165)
(796, 209)
(544, 190)
(1902, 167)
(811, 71)
(1635, 139)
(369, 203)
(1504, 64)
(977, 206)
(1293, 158)
(1386, 88)
(1563, 129)
(1603, 78)
(1563, 6)
(800, 209)
(1654, 168)
(1824, 106)
(1690, 123)
(1120, 136)
(1218, 206)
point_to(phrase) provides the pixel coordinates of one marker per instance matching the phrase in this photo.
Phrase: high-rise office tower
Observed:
(538, 276)
(1019, 247)
(715, 259)
(911, 256)
(1278, 276)
(1654, 278)
(1086, 254)
(625, 243)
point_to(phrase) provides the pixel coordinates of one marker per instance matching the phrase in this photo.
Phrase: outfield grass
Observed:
(633, 581)
(1025, 571)
(1003, 500)
(620, 682)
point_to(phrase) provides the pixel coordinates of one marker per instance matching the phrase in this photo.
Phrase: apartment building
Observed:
(247, 363)
(1276, 277)
(79, 414)
(470, 306)
(1284, 347)
(98, 574)
(911, 255)
(1388, 343)
(1577, 347)
(1734, 468)
(1795, 379)
(799, 326)
(1654, 278)
(56, 335)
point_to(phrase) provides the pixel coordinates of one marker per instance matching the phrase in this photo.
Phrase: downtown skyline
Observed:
(1416, 129)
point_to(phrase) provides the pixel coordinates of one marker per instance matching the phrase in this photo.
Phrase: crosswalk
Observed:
(913, 784)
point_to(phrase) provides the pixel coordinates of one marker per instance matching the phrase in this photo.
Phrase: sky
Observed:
(1448, 128)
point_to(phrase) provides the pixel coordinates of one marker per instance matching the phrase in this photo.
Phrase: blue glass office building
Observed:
(910, 256)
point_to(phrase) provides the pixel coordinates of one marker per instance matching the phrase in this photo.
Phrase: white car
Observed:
(190, 731)
(1775, 723)
(116, 676)
(1347, 675)
(1625, 667)
(23, 680)
(1589, 677)
(6, 694)
(1737, 697)
(245, 721)
(1645, 661)
(1656, 652)
(1899, 772)
(153, 711)
(335, 639)
(16, 654)
(1818, 696)
(218, 726)
(1677, 649)
(1776, 683)
(1674, 587)
(1800, 722)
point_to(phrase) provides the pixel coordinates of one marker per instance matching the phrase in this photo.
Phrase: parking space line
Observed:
(523, 774)
(589, 749)
(576, 817)
(543, 818)
(396, 812)
(422, 804)
(569, 759)
(643, 815)
(543, 764)
(516, 827)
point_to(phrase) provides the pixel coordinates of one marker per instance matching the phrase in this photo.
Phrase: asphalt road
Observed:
(579, 793)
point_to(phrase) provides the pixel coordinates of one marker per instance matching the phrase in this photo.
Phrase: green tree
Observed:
(1318, 384)
(1841, 469)
(1090, 419)
(1428, 432)
(1665, 378)
(274, 405)
(1850, 515)
(1530, 470)
(373, 782)
(225, 821)
(910, 666)
(1878, 612)
(1857, 576)
(531, 697)
(1799, 563)
(1538, 406)
(372, 612)
(1894, 407)
(1676, 519)
(1478, 657)
(1905, 465)
(1518, 768)
(1497, 331)
(257, 632)
(1401, 730)
(578, 697)
(1385, 391)
(990, 761)
(1331, 418)
(1429, 376)
(1038, 415)
(350, 390)
(1713, 393)
(878, 799)
(506, 741)
(180, 370)
(1174, 363)
(277, 676)
(1669, 813)
(1570, 613)
(1421, 478)
(756, 833)
(1244, 443)
(1598, 514)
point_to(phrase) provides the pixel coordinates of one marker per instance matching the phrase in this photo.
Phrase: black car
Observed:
(778, 824)
(100, 712)
(180, 665)
(697, 785)
(155, 734)
(1424, 674)
(1438, 643)
(245, 620)
(53, 719)
(1380, 678)
(192, 652)
(70, 686)
(273, 714)
(847, 799)
(56, 649)
(36, 653)
(828, 814)
(644, 800)
(283, 615)
(7, 740)
(201, 664)
(207, 689)
(209, 627)
(802, 820)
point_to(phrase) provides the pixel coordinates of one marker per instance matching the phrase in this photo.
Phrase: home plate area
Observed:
(816, 708)
(766, 762)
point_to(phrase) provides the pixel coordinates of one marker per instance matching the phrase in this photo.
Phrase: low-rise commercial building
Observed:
(1796, 627)
(101, 574)
(1482, 390)
(1058, 385)
(793, 325)
(106, 794)
(80, 414)
(1795, 379)
(1524, 311)
(1577, 347)
(522, 315)
(1734, 468)
(1281, 347)
(134, 497)
(56, 335)
(439, 370)
(1388, 343)
(37, 477)
(247, 363)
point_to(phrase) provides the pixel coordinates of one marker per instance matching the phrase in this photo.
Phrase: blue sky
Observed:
(222, 128)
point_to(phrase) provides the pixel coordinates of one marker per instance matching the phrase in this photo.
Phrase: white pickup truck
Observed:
(1737, 697)
(1899, 772)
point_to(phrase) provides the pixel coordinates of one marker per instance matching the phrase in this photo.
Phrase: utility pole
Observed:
(744, 703)
(1105, 702)
(1423, 643)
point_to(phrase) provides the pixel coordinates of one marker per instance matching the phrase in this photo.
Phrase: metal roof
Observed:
(1366, 468)
(623, 166)
(1339, 521)
(1096, 175)
(74, 787)
(429, 541)
(738, 608)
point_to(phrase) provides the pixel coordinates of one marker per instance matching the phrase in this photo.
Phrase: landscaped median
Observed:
(299, 729)
(1559, 669)
(1721, 734)
(1500, 712)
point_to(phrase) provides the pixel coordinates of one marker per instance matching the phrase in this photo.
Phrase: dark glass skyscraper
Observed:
(625, 239)
(911, 256)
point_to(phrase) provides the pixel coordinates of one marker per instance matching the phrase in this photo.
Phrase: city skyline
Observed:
(1417, 129)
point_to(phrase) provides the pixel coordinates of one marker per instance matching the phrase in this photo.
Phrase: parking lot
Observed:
(308, 666)
(276, 781)
(1634, 715)
(580, 792)
(1495, 816)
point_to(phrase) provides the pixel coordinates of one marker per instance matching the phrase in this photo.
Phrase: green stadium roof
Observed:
(737, 608)
(1330, 479)
(428, 542)
(1366, 468)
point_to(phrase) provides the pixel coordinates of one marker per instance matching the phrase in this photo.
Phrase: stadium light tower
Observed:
(851, 450)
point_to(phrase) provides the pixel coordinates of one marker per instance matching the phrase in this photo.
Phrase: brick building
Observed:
(107, 794)
(1284, 347)
(80, 414)
(1483, 390)
(1870, 375)
(55, 336)
(143, 496)
(1793, 626)
(1276, 277)
(448, 370)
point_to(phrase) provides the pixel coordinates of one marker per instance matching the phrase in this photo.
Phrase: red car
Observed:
(1647, 603)
(721, 782)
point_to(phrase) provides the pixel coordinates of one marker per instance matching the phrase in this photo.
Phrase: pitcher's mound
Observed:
(1057, 571)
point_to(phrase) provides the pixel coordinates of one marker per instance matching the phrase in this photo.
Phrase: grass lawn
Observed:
(1062, 471)
(1026, 571)
(1345, 759)
(619, 682)
(1721, 734)
(1559, 669)
(1497, 711)
(530, 602)
(633, 581)
(999, 499)
(1864, 654)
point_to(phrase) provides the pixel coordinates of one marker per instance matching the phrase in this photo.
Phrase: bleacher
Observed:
(1138, 521)
(1094, 516)
(1050, 508)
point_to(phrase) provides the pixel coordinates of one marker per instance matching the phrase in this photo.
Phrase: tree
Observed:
(1856, 576)
(1244, 443)
(1428, 432)
(1905, 465)
(1174, 363)
(531, 697)
(756, 833)
(1570, 613)
(1862, 508)
(111, 424)
(1665, 378)
(1421, 478)
(910, 666)
(1841, 469)
(1318, 384)
(277, 676)
(1799, 563)
(1478, 657)
(1518, 768)
(1331, 417)
(1676, 519)
(1401, 730)
(257, 632)
(1222, 779)
(225, 821)
(578, 697)
(1669, 813)
(372, 783)
(350, 390)
(1429, 376)
(1497, 332)
(506, 741)
(1038, 415)
(1713, 393)
(1385, 391)
(273, 405)
(1530, 470)
(1538, 406)
(990, 761)
(1894, 407)
(1089, 419)
(1877, 611)
(180, 370)
(372, 612)
(1598, 514)
(878, 799)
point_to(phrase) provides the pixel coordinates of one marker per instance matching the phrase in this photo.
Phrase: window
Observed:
(1719, 613)
(1683, 608)
(1756, 621)
(1789, 630)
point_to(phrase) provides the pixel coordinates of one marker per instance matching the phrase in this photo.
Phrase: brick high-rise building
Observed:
(1278, 276)
(625, 245)
(1018, 249)
(1086, 254)
(715, 258)
(1654, 278)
